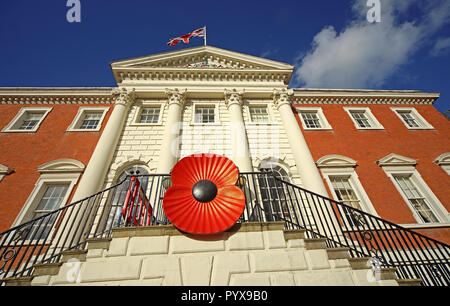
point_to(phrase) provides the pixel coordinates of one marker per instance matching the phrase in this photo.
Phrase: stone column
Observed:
(95, 173)
(168, 154)
(304, 161)
(239, 141)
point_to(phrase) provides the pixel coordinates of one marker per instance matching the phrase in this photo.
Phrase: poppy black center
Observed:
(204, 191)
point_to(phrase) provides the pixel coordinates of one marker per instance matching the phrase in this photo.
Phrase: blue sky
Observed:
(331, 43)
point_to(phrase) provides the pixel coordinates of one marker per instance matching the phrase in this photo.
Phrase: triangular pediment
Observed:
(396, 160)
(205, 57)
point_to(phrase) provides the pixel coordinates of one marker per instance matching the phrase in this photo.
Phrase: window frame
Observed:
(396, 165)
(215, 106)
(15, 123)
(78, 120)
(423, 124)
(375, 124)
(138, 112)
(320, 115)
(249, 114)
(58, 172)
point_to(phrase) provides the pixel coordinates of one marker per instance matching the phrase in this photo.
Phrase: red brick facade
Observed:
(368, 146)
(25, 152)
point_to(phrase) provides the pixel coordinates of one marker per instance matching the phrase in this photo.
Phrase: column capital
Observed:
(123, 96)
(176, 96)
(233, 97)
(282, 96)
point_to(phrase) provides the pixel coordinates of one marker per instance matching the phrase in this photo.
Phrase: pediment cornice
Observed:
(201, 64)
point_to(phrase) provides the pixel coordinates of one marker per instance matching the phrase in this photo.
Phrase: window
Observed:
(259, 114)
(416, 199)
(313, 118)
(342, 179)
(52, 190)
(149, 115)
(204, 114)
(88, 119)
(363, 118)
(50, 201)
(27, 120)
(420, 199)
(273, 193)
(345, 193)
(411, 118)
(115, 213)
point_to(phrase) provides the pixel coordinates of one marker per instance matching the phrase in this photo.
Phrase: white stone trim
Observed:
(341, 166)
(443, 160)
(13, 126)
(318, 110)
(335, 161)
(196, 104)
(63, 165)
(424, 125)
(54, 172)
(409, 170)
(74, 126)
(4, 171)
(374, 123)
(395, 160)
(147, 104)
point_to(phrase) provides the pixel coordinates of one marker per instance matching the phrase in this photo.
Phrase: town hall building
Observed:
(337, 186)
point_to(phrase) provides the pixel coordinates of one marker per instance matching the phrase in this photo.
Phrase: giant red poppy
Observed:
(204, 198)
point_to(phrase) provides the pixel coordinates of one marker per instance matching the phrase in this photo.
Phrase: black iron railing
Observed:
(137, 201)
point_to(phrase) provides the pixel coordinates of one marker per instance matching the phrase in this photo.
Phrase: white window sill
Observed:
(84, 130)
(370, 128)
(420, 128)
(262, 123)
(317, 129)
(146, 124)
(20, 131)
(205, 124)
(425, 225)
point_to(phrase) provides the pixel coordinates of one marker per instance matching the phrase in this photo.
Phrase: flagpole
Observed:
(204, 38)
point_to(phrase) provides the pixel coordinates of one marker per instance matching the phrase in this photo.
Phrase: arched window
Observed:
(115, 214)
(273, 193)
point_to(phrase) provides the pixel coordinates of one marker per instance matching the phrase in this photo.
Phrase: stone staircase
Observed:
(249, 254)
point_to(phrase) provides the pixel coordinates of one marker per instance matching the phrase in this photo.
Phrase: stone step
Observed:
(294, 234)
(47, 268)
(98, 243)
(74, 254)
(409, 282)
(18, 281)
(338, 253)
(359, 263)
(315, 243)
(387, 273)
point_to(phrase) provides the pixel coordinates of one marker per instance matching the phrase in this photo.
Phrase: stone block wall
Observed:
(254, 254)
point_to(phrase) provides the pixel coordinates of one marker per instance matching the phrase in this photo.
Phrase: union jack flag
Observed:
(185, 38)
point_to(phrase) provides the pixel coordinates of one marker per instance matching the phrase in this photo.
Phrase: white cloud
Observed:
(441, 46)
(363, 54)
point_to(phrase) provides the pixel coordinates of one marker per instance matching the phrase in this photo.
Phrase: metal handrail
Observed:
(268, 198)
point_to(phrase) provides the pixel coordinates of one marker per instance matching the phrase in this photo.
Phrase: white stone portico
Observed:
(180, 83)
